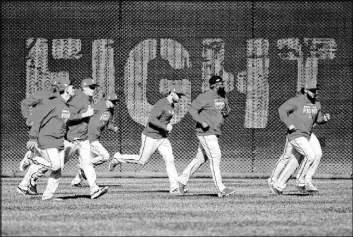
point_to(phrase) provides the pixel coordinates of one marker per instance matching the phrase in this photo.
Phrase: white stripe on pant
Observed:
(208, 148)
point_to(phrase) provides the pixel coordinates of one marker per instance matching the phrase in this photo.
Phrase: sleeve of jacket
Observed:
(40, 119)
(155, 115)
(33, 100)
(77, 108)
(196, 106)
(320, 116)
(285, 109)
(111, 121)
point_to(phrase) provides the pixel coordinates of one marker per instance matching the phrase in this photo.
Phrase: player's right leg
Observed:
(90, 173)
(37, 169)
(23, 187)
(281, 163)
(303, 146)
(98, 153)
(55, 157)
(69, 150)
(26, 161)
(148, 147)
(315, 144)
(166, 150)
(192, 167)
(211, 147)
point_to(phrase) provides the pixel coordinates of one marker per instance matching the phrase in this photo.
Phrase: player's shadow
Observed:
(297, 194)
(200, 195)
(75, 197)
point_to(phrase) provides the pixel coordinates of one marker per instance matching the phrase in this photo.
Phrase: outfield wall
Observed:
(265, 50)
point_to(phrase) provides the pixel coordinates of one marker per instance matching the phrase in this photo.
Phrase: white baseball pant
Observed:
(304, 152)
(292, 158)
(41, 164)
(148, 147)
(208, 149)
(84, 150)
(99, 154)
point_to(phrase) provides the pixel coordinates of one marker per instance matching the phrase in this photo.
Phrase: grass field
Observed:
(141, 207)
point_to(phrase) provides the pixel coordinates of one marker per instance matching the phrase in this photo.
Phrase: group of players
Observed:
(65, 120)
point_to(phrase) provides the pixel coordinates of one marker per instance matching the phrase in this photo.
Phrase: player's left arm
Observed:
(39, 120)
(322, 118)
(79, 110)
(156, 113)
(110, 123)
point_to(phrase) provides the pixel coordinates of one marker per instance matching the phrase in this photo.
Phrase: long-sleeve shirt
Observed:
(159, 118)
(78, 129)
(100, 119)
(300, 112)
(210, 108)
(50, 124)
(36, 101)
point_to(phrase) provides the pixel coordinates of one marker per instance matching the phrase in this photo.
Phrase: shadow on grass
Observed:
(167, 191)
(75, 197)
(297, 194)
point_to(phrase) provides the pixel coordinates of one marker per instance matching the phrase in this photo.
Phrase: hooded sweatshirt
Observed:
(302, 113)
(210, 108)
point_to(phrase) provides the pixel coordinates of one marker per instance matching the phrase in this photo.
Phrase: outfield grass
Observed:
(137, 206)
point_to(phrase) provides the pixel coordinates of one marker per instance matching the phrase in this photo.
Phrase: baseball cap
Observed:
(112, 96)
(62, 83)
(311, 86)
(177, 89)
(88, 82)
(215, 79)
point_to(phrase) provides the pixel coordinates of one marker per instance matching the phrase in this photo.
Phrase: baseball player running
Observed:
(155, 136)
(78, 135)
(103, 111)
(208, 110)
(48, 132)
(29, 106)
(299, 114)
(292, 156)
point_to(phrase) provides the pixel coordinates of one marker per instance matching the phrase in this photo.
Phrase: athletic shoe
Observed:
(22, 191)
(181, 188)
(32, 187)
(175, 192)
(309, 187)
(25, 162)
(226, 192)
(275, 190)
(81, 172)
(99, 192)
(301, 189)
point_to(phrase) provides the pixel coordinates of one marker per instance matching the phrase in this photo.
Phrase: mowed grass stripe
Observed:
(137, 206)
